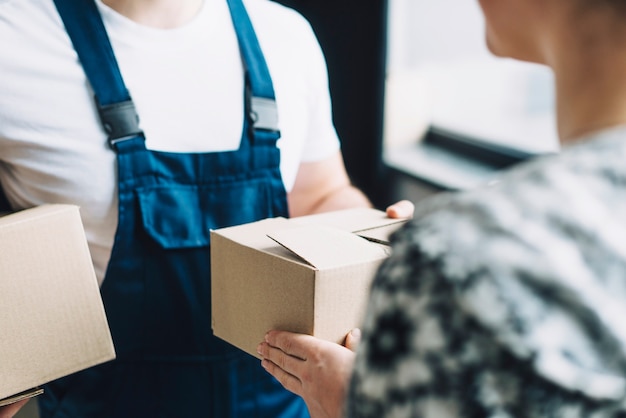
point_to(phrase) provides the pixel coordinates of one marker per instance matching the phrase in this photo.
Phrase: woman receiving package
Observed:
(508, 300)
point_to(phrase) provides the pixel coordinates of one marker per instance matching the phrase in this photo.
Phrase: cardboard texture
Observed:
(52, 319)
(309, 274)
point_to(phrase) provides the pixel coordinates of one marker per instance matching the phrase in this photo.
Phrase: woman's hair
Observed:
(615, 7)
(618, 5)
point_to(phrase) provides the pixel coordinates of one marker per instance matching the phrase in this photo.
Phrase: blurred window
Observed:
(441, 76)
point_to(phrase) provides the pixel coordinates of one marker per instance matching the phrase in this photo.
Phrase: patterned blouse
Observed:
(507, 300)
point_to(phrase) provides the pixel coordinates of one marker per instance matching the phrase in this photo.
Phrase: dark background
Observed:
(353, 36)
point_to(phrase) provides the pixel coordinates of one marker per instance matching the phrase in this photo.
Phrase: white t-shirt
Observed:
(187, 85)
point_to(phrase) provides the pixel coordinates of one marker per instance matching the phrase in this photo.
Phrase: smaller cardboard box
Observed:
(309, 274)
(52, 320)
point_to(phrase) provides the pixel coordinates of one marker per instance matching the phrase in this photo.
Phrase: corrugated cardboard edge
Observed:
(350, 220)
(381, 234)
(21, 396)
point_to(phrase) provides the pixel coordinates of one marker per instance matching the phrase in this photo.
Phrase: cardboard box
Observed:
(309, 274)
(52, 320)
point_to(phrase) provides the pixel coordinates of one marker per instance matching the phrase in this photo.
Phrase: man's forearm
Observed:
(343, 198)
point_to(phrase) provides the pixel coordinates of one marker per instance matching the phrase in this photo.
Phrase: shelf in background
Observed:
(450, 161)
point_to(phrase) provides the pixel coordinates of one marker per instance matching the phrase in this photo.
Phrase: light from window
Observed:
(440, 74)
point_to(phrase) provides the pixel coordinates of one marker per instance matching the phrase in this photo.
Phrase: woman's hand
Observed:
(10, 410)
(317, 370)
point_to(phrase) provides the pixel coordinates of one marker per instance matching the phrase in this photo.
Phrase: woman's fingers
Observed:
(289, 381)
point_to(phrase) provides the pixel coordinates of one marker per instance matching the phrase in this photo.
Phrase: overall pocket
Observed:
(182, 216)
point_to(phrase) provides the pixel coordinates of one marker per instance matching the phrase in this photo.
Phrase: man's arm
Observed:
(322, 186)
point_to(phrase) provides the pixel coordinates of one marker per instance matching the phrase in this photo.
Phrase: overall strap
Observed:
(262, 102)
(85, 28)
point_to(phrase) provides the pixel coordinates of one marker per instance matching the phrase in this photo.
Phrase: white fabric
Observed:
(187, 84)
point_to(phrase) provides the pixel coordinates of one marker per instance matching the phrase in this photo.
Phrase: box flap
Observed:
(380, 234)
(254, 234)
(351, 220)
(326, 248)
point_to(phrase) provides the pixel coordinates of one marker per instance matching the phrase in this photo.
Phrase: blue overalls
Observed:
(157, 286)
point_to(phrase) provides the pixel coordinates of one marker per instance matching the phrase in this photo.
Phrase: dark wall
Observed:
(353, 36)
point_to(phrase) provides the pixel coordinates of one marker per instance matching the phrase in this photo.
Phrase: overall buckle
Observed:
(120, 121)
(264, 113)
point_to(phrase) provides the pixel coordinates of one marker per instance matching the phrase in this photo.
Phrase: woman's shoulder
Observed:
(527, 219)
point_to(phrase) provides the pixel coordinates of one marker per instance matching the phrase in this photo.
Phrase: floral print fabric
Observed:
(507, 300)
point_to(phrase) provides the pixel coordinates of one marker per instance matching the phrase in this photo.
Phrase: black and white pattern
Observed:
(506, 301)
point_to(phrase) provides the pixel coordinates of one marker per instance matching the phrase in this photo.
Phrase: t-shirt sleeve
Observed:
(322, 140)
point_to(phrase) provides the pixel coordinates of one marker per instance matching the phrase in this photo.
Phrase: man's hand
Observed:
(317, 370)
(401, 209)
(10, 410)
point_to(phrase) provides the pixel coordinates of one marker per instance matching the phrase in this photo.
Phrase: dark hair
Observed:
(619, 5)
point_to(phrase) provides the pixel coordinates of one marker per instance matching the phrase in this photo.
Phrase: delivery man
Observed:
(235, 126)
